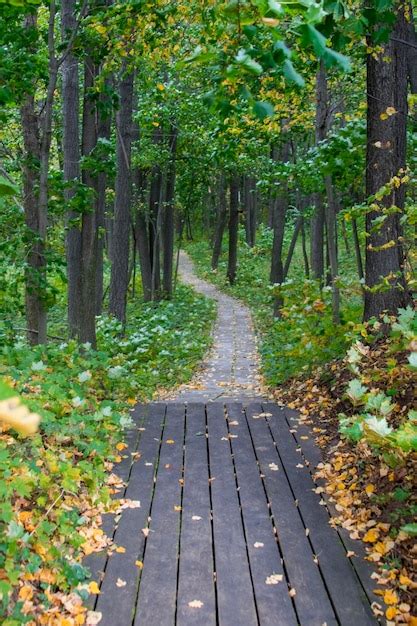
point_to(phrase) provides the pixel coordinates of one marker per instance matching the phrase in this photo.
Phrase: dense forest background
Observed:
(277, 143)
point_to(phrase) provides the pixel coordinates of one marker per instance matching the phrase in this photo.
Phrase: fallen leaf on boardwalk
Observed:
(292, 592)
(121, 583)
(307, 532)
(93, 587)
(170, 441)
(196, 518)
(149, 464)
(93, 618)
(274, 467)
(371, 536)
(350, 553)
(167, 465)
(391, 612)
(299, 465)
(258, 544)
(177, 507)
(304, 437)
(390, 597)
(120, 550)
(145, 531)
(139, 564)
(234, 423)
(121, 446)
(274, 579)
(131, 504)
(196, 604)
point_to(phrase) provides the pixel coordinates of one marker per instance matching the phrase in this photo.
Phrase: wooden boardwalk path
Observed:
(230, 530)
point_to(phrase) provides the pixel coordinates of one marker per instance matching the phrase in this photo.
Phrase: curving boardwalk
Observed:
(231, 370)
(231, 529)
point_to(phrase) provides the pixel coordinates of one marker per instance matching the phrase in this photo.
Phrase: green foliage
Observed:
(50, 482)
(376, 417)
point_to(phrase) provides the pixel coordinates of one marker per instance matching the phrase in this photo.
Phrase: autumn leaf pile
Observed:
(369, 472)
(55, 485)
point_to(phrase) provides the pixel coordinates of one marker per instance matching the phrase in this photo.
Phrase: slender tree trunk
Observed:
(119, 281)
(318, 219)
(386, 288)
(35, 246)
(104, 130)
(155, 196)
(331, 225)
(169, 227)
(142, 234)
(233, 229)
(357, 246)
(280, 213)
(304, 247)
(71, 150)
(291, 248)
(87, 324)
(220, 223)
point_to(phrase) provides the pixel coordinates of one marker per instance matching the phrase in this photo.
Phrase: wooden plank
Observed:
(275, 607)
(312, 453)
(117, 603)
(97, 561)
(347, 595)
(235, 598)
(158, 584)
(196, 568)
(311, 600)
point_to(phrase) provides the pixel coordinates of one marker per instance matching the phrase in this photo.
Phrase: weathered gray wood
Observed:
(196, 569)
(336, 568)
(236, 606)
(311, 600)
(312, 453)
(273, 602)
(97, 561)
(158, 585)
(117, 603)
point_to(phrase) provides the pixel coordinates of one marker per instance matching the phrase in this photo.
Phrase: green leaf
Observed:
(291, 73)
(410, 529)
(7, 188)
(263, 109)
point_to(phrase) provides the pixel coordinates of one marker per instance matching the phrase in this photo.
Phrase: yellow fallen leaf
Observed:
(177, 507)
(139, 564)
(93, 587)
(170, 441)
(391, 612)
(121, 446)
(25, 593)
(371, 536)
(120, 549)
(196, 604)
(121, 583)
(370, 489)
(390, 597)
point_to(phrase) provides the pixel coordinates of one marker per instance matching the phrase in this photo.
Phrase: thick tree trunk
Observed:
(71, 151)
(220, 223)
(233, 229)
(386, 288)
(168, 226)
(121, 226)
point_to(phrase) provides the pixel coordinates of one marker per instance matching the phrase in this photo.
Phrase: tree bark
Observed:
(155, 197)
(220, 223)
(71, 151)
(386, 288)
(87, 322)
(233, 229)
(169, 227)
(119, 280)
(280, 213)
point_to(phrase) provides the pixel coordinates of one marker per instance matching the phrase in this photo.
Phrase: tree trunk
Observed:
(87, 323)
(220, 223)
(168, 230)
(331, 224)
(71, 150)
(104, 130)
(318, 219)
(304, 246)
(233, 229)
(121, 227)
(155, 197)
(280, 212)
(386, 288)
